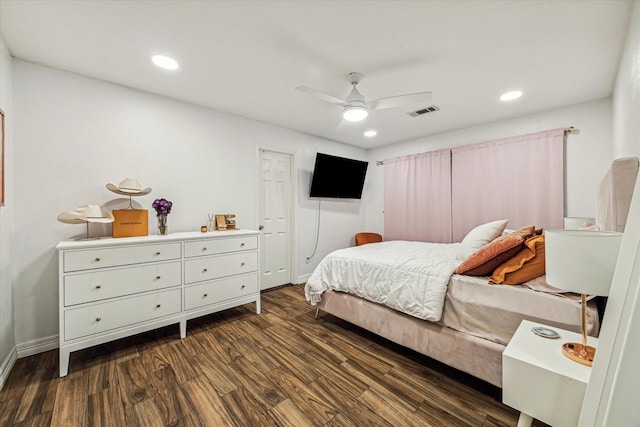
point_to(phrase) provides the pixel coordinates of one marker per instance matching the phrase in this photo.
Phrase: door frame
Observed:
(293, 201)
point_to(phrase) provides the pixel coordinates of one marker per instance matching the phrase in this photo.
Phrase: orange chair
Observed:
(364, 238)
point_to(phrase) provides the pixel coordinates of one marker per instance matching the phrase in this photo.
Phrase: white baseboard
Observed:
(303, 279)
(38, 346)
(7, 366)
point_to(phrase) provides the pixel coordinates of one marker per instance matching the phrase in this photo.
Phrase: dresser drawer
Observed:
(83, 321)
(110, 257)
(221, 245)
(100, 284)
(220, 290)
(208, 268)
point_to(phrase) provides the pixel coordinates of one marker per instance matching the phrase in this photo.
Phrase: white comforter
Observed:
(411, 277)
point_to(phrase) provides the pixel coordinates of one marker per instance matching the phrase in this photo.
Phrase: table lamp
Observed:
(582, 262)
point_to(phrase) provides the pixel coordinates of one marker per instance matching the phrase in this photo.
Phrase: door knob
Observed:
(260, 227)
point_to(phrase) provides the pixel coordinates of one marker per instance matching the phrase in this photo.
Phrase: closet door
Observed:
(275, 219)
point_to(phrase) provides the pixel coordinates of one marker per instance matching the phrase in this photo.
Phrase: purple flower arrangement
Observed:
(162, 206)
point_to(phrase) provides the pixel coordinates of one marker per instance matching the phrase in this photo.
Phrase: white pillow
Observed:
(480, 236)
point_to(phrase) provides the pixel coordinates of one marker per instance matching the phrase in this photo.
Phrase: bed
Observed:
(463, 321)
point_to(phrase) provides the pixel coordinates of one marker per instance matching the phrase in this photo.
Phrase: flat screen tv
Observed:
(337, 177)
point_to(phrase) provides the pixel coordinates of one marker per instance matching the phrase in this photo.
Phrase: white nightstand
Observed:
(539, 381)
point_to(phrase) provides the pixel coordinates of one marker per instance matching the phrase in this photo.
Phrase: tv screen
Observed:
(337, 177)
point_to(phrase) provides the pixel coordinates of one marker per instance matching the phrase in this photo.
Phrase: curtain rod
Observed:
(567, 130)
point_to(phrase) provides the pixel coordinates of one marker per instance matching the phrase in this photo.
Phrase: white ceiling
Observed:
(245, 57)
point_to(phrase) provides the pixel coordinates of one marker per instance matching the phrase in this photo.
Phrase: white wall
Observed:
(75, 134)
(588, 153)
(611, 398)
(7, 337)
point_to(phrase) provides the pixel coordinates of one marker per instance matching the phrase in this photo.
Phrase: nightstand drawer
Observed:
(220, 245)
(220, 290)
(99, 285)
(111, 257)
(201, 269)
(93, 319)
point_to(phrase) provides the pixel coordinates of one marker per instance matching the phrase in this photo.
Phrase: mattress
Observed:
(493, 312)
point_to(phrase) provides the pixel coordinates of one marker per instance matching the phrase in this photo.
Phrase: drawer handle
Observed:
(241, 244)
(242, 264)
(158, 253)
(97, 259)
(98, 319)
(204, 248)
(157, 277)
(205, 295)
(98, 286)
(204, 270)
(242, 287)
(157, 305)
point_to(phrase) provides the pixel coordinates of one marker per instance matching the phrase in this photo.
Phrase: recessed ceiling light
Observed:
(510, 96)
(370, 133)
(165, 62)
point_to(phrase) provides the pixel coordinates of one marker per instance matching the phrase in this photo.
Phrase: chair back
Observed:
(364, 238)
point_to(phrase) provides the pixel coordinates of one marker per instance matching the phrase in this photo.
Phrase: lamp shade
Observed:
(581, 261)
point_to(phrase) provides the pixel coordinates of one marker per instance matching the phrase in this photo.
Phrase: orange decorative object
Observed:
(130, 223)
(364, 238)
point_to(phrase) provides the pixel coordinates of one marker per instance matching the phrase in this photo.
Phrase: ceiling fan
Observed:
(355, 108)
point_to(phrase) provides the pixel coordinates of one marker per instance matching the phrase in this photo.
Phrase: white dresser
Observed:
(112, 288)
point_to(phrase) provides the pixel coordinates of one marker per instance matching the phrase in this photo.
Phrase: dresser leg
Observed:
(524, 420)
(183, 328)
(258, 305)
(64, 361)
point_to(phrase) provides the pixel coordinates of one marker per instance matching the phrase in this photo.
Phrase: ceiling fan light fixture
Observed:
(354, 113)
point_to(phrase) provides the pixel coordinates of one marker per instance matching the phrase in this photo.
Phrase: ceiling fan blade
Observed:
(399, 101)
(320, 95)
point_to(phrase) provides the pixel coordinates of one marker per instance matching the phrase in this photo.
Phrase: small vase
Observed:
(163, 228)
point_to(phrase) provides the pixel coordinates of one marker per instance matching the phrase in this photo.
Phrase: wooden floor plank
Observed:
(287, 414)
(235, 368)
(8, 409)
(245, 410)
(169, 397)
(143, 414)
(316, 408)
(218, 373)
(104, 409)
(263, 390)
(133, 382)
(206, 402)
(70, 408)
(35, 394)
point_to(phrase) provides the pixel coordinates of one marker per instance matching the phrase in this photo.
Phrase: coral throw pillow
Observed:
(487, 258)
(524, 266)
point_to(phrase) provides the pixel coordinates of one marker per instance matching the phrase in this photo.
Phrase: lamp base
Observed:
(582, 354)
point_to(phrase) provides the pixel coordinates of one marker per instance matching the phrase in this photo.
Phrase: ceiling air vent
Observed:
(422, 111)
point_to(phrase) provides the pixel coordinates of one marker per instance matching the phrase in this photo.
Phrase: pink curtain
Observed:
(417, 197)
(519, 178)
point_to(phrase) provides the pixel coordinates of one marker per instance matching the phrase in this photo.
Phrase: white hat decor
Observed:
(85, 213)
(129, 187)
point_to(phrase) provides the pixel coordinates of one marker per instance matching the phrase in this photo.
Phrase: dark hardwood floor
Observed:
(280, 368)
